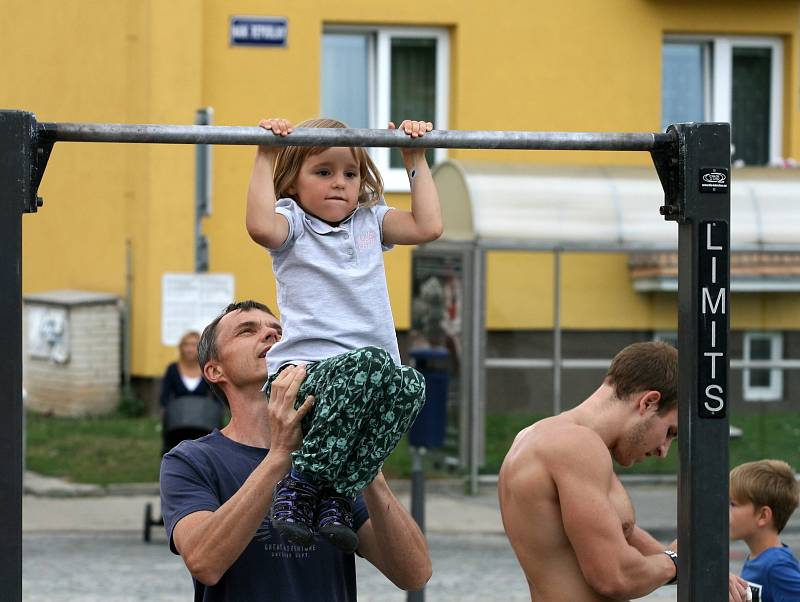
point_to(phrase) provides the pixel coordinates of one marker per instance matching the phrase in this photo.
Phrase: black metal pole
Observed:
(202, 187)
(703, 170)
(200, 134)
(417, 505)
(16, 183)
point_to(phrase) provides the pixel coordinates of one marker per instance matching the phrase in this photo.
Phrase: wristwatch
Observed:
(673, 556)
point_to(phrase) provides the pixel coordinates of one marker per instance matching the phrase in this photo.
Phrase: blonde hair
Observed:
(290, 159)
(767, 483)
(188, 335)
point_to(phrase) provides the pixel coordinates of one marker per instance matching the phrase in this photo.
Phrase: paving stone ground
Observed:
(90, 549)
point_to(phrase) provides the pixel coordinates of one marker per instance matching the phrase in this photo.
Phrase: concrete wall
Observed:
(88, 382)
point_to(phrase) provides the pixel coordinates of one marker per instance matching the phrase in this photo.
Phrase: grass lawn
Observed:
(117, 449)
(94, 450)
(773, 435)
(127, 450)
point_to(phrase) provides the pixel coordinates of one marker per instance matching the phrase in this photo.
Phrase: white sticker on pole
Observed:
(190, 301)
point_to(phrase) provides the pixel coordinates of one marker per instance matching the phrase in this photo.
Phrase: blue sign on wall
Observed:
(259, 31)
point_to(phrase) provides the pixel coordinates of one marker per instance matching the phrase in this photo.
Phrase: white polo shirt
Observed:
(332, 290)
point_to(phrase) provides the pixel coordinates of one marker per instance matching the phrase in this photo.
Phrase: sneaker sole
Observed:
(294, 532)
(340, 536)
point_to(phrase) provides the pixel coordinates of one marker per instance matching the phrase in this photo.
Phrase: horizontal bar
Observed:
(216, 134)
(762, 364)
(517, 363)
(533, 364)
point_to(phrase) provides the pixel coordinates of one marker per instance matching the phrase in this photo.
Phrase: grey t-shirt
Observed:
(332, 290)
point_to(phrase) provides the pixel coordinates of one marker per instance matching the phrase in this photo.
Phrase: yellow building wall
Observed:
(594, 66)
(597, 294)
(582, 65)
(117, 62)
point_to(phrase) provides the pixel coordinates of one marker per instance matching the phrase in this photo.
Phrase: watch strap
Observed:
(673, 556)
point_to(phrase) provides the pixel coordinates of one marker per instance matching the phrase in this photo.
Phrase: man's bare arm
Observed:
(391, 539)
(644, 542)
(581, 469)
(647, 544)
(210, 542)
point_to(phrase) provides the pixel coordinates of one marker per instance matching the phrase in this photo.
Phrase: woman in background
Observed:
(184, 377)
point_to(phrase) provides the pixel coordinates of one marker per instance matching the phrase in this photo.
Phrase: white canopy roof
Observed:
(579, 207)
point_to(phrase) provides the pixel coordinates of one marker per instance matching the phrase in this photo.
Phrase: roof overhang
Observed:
(603, 208)
(750, 272)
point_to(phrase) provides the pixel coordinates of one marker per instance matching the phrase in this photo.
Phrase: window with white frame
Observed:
(732, 79)
(371, 76)
(762, 384)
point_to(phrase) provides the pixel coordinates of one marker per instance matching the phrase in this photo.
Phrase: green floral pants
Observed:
(364, 402)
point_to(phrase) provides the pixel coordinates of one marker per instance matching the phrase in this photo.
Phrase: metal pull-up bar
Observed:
(211, 134)
(693, 163)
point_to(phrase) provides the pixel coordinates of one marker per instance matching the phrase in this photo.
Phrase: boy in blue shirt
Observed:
(763, 495)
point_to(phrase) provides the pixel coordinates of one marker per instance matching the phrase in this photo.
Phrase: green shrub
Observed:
(131, 406)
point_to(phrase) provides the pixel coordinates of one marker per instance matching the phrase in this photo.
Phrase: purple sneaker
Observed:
(292, 512)
(335, 520)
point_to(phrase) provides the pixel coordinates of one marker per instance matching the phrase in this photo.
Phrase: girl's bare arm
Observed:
(424, 222)
(264, 225)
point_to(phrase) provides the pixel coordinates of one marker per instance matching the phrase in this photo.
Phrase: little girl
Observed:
(320, 212)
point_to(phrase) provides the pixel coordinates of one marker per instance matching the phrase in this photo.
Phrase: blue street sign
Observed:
(259, 31)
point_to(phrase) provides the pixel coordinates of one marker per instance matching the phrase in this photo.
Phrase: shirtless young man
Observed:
(567, 515)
